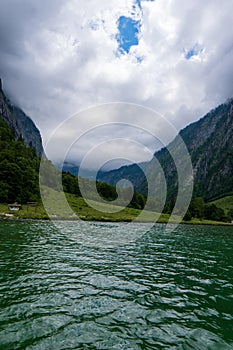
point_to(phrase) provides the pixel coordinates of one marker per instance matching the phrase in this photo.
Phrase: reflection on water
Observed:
(75, 288)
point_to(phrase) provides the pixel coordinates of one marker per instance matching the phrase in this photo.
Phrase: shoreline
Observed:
(80, 211)
(193, 222)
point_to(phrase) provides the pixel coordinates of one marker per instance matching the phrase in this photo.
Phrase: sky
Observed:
(58, 58)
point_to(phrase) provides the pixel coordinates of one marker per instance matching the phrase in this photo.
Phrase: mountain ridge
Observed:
(21, 124)
(210, 144)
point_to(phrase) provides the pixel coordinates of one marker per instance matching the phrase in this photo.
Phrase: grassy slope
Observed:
(225, 203)
(85, 212)
(81, 208)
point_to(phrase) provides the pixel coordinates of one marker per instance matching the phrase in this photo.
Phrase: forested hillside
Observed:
(19, 167)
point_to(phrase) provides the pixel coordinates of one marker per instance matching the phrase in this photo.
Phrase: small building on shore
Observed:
(13, 208)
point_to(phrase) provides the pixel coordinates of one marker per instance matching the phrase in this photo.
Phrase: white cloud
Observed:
(61, 57)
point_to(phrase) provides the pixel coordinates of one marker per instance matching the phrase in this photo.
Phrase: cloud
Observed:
(58, 58)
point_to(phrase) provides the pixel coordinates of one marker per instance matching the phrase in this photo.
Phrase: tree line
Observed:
(208, 211)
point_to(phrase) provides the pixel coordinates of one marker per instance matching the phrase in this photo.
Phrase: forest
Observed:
(19, 168)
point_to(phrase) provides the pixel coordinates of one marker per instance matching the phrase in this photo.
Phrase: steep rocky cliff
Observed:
(20, 123)
(210, 144)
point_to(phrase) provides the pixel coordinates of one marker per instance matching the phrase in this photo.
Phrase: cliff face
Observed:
(210, 145)
(20, 123)
(28, 130)
(211, 152)
(7, 113)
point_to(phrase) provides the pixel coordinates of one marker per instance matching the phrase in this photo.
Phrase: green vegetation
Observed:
(57, 209)
(225, 204)
(80, 209)
(71, 184)
(213, 211)
(19, 166)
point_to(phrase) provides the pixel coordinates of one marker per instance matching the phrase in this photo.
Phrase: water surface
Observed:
(73, 287)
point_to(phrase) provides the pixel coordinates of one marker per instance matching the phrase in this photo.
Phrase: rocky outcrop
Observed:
(28, 130)
(20, 123)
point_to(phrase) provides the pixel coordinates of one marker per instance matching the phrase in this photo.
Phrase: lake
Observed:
(115, 286)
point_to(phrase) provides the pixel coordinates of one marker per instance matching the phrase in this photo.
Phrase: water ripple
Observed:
(165, 291)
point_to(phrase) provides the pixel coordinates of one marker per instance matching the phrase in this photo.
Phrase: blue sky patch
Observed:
(194, 51)
(128, 30)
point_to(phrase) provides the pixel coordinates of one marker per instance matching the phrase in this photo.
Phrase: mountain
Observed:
(133, 173)
(210, 145)
(20, 123)
(20, 154)
(73, 169)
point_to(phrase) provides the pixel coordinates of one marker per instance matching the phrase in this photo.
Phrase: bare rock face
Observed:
(213, 157)
(20, 123)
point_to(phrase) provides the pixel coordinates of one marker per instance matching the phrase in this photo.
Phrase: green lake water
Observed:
(90, 286)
